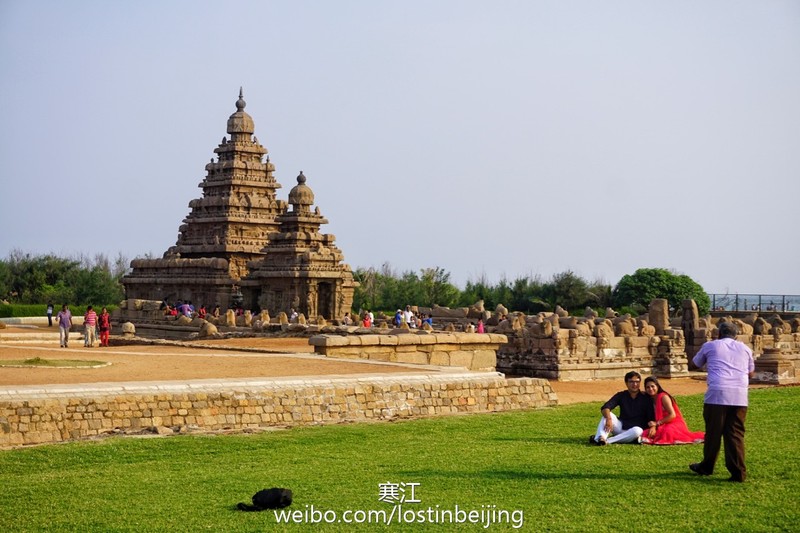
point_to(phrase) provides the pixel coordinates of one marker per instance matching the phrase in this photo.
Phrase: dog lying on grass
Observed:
(273, 498)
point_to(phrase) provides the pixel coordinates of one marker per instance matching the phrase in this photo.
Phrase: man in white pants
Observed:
(635, 410)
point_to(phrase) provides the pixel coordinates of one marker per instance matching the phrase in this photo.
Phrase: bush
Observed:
(21, 310)
(647, 284)
(26, 310)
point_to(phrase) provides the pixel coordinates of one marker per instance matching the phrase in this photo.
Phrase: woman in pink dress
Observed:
(669, 426)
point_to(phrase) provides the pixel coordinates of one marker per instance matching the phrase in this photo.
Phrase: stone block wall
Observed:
(474, 351)
(49, 416)
(565, 356)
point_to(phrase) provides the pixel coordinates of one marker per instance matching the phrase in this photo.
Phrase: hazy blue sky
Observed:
(497, 138)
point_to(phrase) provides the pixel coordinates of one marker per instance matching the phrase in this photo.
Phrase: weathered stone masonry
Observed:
(47, 416)
(474, 351)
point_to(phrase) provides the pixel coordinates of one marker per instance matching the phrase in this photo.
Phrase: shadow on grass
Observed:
(516, 475)
(545, 440)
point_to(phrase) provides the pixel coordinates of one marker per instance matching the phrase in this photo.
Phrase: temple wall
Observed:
(49, 416)
(571, 358)
(473, 351)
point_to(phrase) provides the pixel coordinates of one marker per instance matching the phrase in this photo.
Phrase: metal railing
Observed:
(781, 303)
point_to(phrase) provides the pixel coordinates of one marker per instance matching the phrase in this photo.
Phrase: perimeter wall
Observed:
(32, 416)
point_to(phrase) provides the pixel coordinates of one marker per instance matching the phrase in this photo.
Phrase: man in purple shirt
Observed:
(64, 319)
(729, 364)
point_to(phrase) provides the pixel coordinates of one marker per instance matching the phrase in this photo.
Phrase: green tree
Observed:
(646, 284)
(475, 291)
(599, 294)
(436, 288)
(31, 279)
(566, 289)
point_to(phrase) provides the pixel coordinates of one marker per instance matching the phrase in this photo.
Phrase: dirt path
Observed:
(218, 359)
(289, 357)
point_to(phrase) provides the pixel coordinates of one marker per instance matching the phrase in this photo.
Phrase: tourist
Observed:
(104, 325)
(398, 318)
(49, 314)
(668, 425)
(408, 315)
(429, 320)
(729, 364)
(367, 321)
(215, 314)
(293, 316)
(347, 321)
(201, 313)
(635, 411)
(480, 328)
(371, 317)
(89, 327)
(64, 319)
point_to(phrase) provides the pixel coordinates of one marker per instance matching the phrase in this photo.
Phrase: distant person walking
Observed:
(49, 314)
(104, 325)
(729, 364)
(89, 327)
(64, 319)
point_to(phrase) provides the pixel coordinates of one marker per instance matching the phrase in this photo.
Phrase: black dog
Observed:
(273, 498)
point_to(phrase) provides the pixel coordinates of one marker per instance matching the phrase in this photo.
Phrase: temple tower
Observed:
(304, 270)
(240, 246)
(238, 209)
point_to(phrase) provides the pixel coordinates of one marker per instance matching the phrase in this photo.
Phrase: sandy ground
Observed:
(286, 357)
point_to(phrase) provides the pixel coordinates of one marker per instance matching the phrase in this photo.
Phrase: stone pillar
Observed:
(659, 315)
(690, 322)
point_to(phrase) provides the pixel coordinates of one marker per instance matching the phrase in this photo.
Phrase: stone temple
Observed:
(242, 246)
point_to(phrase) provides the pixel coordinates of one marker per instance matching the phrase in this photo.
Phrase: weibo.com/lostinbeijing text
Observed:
(402, 496)
(486, 516)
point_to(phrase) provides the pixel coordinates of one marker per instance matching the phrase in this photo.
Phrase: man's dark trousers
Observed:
(724, 422)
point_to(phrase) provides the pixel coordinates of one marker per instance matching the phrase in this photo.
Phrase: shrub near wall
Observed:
(22, 310)
(25, 310)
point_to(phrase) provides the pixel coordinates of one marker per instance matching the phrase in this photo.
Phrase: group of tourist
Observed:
(408, 317)
(94, 326)
(653, 417)
(188, 310)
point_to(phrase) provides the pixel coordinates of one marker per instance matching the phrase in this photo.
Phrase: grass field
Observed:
(536, 463)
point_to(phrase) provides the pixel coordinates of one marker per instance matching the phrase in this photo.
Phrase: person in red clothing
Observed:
(367, 323)
(104, 325)
(669, 427)
(89, 327)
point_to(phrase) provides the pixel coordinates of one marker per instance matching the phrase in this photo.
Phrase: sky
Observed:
(491, 139)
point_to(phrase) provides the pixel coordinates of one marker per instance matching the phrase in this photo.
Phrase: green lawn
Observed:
(536, 462)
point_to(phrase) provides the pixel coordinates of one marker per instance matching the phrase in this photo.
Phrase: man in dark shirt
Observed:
(635, 410)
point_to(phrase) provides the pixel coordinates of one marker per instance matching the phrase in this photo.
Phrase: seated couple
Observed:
(651, 417)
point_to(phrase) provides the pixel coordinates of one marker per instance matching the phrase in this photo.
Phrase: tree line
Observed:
(36, 279)
(385, 289)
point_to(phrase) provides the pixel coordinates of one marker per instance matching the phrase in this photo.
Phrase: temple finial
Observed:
(240, 103)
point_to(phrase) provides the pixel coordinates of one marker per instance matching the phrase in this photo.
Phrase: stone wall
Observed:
(568, 348)
(35, 416)
(474, 351)
(567, 357)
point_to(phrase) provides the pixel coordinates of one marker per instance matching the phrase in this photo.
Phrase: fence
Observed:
(781, 303)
